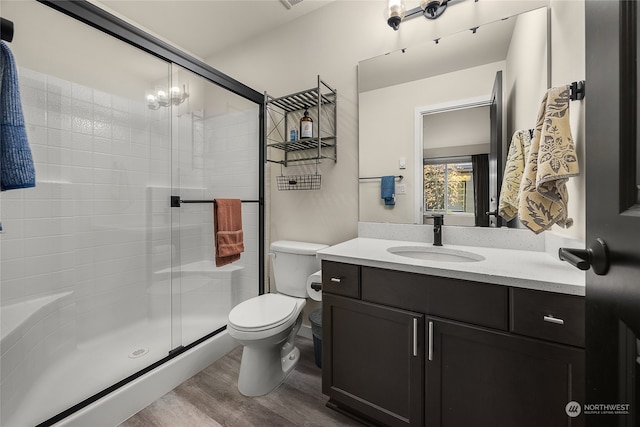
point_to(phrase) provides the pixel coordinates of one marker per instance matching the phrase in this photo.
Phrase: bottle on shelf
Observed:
(306, 125)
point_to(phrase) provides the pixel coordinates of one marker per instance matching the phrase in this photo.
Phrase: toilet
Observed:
(267, 325)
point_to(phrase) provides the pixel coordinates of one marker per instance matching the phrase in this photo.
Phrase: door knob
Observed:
(596, 256)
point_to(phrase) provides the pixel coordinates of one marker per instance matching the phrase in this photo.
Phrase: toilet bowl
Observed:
(267, 325)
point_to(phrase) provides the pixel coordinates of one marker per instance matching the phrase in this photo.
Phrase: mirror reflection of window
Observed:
(435, 80)
(448, 186)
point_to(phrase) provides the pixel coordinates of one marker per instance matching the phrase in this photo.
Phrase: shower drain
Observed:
(139, 352)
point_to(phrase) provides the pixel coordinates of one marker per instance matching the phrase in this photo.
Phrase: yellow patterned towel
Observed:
(551, 162)
(514, 168)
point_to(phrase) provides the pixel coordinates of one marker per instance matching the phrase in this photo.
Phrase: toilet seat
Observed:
(267, 311)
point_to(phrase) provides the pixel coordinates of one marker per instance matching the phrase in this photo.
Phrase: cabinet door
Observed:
(373, 361)
(479, 377)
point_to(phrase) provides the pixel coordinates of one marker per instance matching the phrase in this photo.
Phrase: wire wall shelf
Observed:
(282, 116)
(303, 100)
(299, 182)
(303, 144)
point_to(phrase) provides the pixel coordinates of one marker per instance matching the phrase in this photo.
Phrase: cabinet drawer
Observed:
(466, 301)
(341, 279)
(549, 316)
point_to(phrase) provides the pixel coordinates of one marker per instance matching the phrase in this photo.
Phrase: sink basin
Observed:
(435, 253)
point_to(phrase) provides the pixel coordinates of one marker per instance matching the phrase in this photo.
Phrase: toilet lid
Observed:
(262, 312)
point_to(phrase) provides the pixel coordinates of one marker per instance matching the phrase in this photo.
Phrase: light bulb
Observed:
(395, 12)
(433, 8)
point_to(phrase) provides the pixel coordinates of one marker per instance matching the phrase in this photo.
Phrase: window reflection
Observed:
(448, 186)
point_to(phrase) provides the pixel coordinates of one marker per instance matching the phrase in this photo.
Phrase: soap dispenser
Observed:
(306, 125)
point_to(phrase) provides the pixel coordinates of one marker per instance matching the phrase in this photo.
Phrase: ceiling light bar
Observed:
(289, 3)
(396, 12)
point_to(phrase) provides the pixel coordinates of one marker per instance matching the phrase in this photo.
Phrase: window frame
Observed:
(446, 161)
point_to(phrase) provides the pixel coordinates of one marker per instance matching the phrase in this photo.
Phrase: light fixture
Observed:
(430, 9)
(289, 3)
(395, 12)
(159, 97)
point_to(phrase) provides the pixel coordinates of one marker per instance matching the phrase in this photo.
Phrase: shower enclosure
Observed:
(101, 278)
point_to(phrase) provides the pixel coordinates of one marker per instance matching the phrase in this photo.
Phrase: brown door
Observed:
(613, 215)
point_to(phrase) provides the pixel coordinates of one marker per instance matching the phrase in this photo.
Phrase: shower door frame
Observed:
(94, 16)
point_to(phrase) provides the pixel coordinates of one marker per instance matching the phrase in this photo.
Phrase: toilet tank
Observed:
(293, 262)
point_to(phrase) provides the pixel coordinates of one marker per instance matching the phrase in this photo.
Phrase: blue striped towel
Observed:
(388, 190)
(16, 163)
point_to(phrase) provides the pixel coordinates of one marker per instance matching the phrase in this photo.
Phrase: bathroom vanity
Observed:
(444, 343)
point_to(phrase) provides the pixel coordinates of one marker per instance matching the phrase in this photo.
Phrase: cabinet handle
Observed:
(336, 279)
(552, 319)
(415, 337)
(430, 341)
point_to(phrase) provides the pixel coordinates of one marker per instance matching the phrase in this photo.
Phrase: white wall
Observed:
(568, 65)
(330, 42)
(527, 80)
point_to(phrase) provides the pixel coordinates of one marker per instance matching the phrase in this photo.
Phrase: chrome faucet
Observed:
(438, 222)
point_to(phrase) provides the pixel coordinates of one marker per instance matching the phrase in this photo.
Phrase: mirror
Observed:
(431, 104)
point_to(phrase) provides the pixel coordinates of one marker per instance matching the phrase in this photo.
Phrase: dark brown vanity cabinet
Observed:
(373, 364)
(409, 349)
(480, 377)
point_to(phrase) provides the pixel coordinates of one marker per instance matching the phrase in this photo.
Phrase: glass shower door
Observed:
(100, 278)
(81, 305)
(215, 137)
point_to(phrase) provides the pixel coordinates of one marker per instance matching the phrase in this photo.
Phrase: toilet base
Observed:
(264, 368)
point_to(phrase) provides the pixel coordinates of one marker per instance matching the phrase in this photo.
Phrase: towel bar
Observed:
(176, 201)
(399, 177)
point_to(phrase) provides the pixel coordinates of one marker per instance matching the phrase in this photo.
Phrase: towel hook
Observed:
(577, 90)
(6, 30)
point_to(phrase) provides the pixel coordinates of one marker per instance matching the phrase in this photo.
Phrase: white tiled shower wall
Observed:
(98, 224)
(84, 227)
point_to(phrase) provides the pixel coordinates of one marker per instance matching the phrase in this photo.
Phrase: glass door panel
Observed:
(84, 303)
(215, 155)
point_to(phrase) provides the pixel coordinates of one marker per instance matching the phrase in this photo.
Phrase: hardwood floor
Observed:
(211, 398)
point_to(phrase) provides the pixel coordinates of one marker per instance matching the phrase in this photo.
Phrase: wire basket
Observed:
(298, 182)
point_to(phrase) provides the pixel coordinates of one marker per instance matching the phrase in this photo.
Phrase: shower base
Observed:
(103, 361)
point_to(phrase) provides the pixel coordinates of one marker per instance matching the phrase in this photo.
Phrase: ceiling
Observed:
(204, 27)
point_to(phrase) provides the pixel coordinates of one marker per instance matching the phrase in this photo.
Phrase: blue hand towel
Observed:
(388, 190)
(16, 162)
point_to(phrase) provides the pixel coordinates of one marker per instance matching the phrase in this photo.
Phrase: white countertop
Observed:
(518, 268)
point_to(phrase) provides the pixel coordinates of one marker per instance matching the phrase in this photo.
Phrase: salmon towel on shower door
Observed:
(227, 230)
